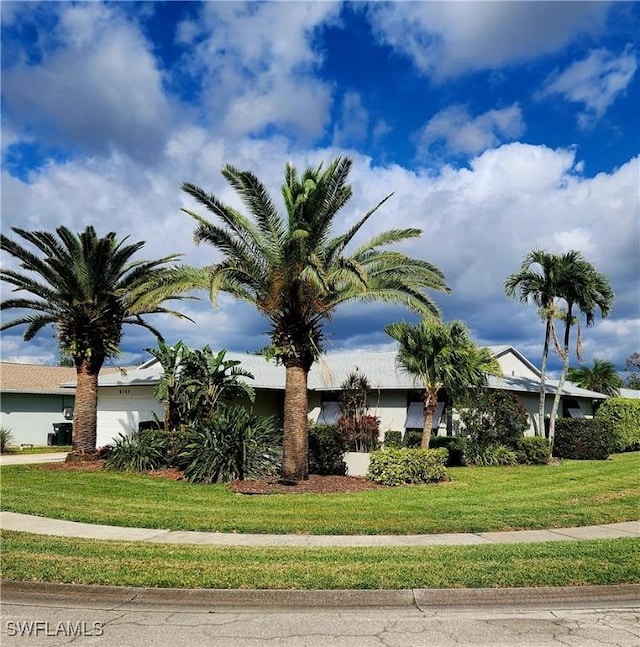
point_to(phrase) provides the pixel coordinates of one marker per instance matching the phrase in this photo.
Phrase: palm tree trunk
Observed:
(85, 409)
(563, 376)
(296, 427)
(430, 403)
(543, 379)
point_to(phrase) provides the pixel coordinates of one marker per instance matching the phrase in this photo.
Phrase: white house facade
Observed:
(126, 399)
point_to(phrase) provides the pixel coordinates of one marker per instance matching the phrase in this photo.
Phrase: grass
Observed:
(37, 449)
(574, 493)
(81, 561)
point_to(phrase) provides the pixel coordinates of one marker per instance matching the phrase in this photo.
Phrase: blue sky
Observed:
(499, 126)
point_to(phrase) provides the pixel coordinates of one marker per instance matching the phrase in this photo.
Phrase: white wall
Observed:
(30, 416)
(120, 409)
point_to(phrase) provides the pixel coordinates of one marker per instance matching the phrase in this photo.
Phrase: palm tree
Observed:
(296, 274)
(540, 280)
(601, 377)
(587, 290)
(88, 288)
(441, 356)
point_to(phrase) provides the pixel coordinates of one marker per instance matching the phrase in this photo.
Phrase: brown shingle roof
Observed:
(33, 378)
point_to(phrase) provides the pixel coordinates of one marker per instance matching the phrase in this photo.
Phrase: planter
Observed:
(357, 463)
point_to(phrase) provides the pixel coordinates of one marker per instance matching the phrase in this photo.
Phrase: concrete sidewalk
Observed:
(61, 528)
(26, 458)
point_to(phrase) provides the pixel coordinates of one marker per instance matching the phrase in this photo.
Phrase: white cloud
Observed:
(595, 82)
(446, 39)
(354, 121)
(462, 133)
(101, 90)
(256, 62)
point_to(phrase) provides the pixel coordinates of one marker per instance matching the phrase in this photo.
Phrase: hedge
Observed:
(582, 439)
(622, 418)
(407, 466)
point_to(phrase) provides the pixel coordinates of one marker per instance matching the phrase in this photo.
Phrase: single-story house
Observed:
(33, 399)
(126, 399)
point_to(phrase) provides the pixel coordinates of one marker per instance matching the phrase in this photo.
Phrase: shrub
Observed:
(492, 455)
(495, 418)
(622, 418)
(393, 439)
(407, 466)
(138, 452)
(234, 444)
(412, 438)
(582, 439)
(533, 450)
(359, 434)
(326, 451)
(457, 446)
(6, 439)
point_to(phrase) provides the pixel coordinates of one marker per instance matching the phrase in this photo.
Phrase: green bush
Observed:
(495, 418)
(392, 439)
(533, 450)
(458, 447)
(139, 451)
(582, 439)
(622, 417)
(407, 466)
(6, 439)
(326, 451)
(234, 444)
(492, 455)
(412, 438)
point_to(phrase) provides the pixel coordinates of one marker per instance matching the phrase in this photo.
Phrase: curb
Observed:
(151, 599)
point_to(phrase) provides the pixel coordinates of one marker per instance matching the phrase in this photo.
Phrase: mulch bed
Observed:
(315, 484)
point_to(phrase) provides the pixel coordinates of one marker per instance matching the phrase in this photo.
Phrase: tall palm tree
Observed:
(87, 287)
(585, 289)
(540, 280)
(601, 377)
(296, 273)
(441, 356)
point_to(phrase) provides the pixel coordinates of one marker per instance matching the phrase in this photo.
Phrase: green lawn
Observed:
(573, 493)
(36, 558)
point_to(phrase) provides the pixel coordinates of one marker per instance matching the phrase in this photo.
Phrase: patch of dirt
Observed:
(314, 485)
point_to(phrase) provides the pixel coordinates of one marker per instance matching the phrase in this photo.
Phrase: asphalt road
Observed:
(602, 616)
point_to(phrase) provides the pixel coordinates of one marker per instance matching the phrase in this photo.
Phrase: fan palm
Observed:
(540, 279)
(87, 287)
(296, 273)
(441, 356)
(601, 377)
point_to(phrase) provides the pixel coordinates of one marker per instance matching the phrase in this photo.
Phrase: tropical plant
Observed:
(632, 367)
(206, 380)
(88, 287)
(359, 430)
(139, 451)
(6, 439)
(233, 444)
(166, 391)
(441, 356)
(540, 279)
(296, 274)
(587, 290)
(601, 377)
